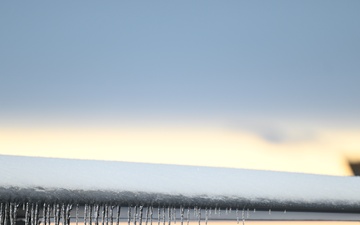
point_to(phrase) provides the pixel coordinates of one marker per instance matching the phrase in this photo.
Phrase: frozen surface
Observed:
(85, 181)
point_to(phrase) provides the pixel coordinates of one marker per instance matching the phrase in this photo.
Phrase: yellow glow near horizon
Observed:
(185, 146)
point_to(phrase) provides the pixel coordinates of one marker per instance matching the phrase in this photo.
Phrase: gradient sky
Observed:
(281, 69)
(204, 58)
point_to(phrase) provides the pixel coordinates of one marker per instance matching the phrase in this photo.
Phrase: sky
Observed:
(285, 72)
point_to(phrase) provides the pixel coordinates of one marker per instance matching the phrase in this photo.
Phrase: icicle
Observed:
(243, 216)
(206, 216)
(174, 215)
(118, 215)
(44, 219)
(188, 216)
(140, 214)
(97, 214)
(106, 214)
(6, 213)
(1, 213)
(103, 214)
(68, 213)
(164, 216)
(181, 215)
(247, 213)
(77, 214)
(48, 214)
(90, 214)
(129, 215)
(158, 215)
(237, 215)
(27, 216)
(58, 212)
(63, 214)
(151, 214)
(36, 214)
(32, 214)
(15, 206)
(147, 215)
(169, 215)
(135, 214)
(284, 211)
(55, 214)
(269, 211)
(11, 214)
(199, 215)
(112, 214)
(85, 214)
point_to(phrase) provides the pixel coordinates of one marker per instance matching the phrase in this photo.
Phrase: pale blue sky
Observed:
(221, 60)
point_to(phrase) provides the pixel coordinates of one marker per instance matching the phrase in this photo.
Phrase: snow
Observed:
(86, 181)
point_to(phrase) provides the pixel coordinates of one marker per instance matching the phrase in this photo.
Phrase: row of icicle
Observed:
(95, 214)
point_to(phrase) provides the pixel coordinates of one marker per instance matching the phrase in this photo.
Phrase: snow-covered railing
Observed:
(49, 188)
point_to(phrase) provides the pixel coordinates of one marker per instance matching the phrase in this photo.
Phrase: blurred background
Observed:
(270, 85)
